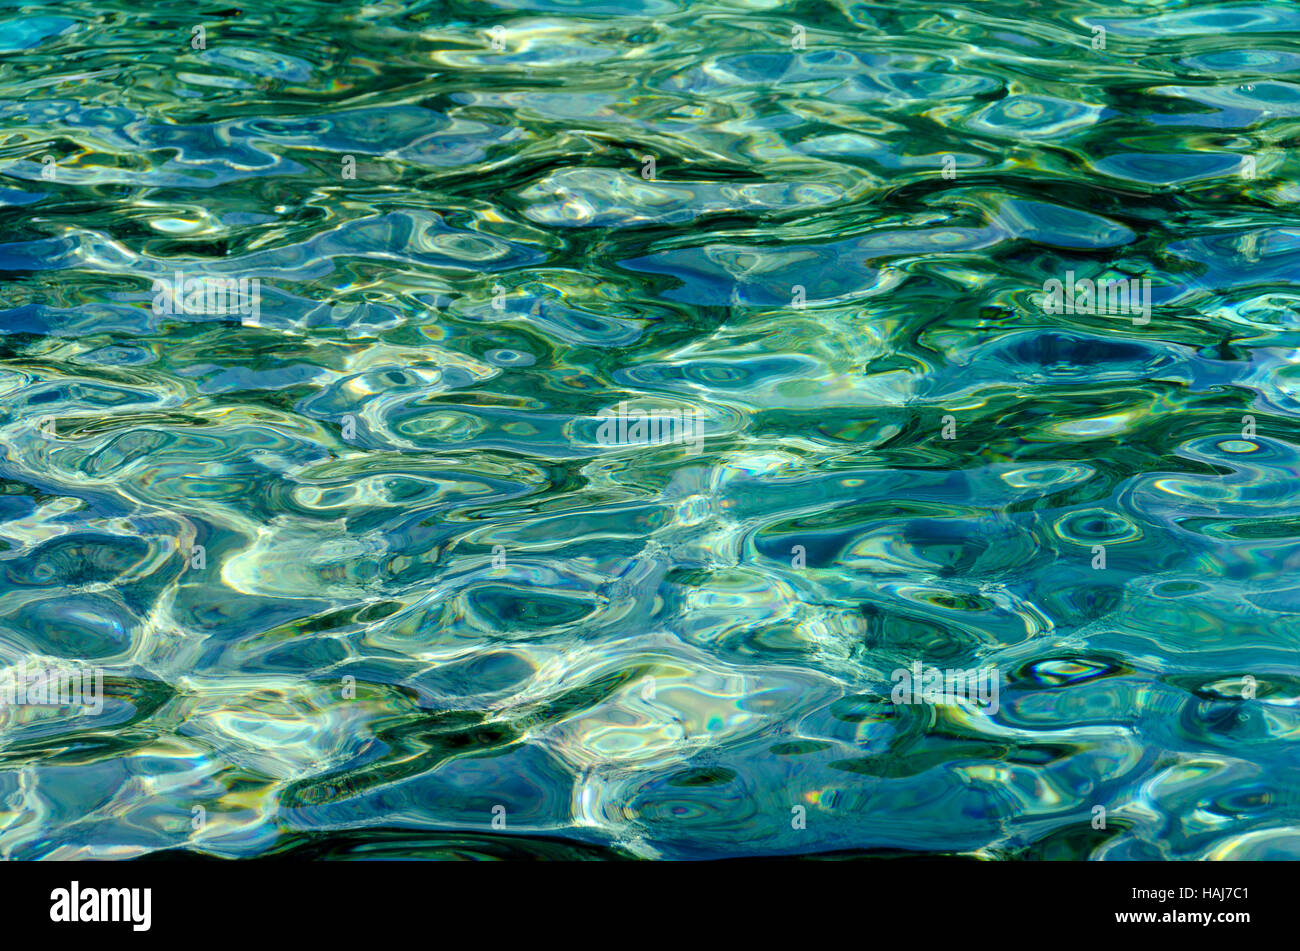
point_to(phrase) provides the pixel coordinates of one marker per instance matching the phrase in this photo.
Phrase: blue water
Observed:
(373, 561)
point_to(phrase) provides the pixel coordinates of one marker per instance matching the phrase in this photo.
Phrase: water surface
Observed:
(361, 576)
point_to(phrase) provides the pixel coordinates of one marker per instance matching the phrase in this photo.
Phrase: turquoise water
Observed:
(374, 559)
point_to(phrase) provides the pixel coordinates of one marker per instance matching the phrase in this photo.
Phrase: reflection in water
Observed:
(364, 576)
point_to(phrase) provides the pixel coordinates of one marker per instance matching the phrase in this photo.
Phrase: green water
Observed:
(364, 574)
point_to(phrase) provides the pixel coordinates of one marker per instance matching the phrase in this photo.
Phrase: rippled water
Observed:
(361, 573)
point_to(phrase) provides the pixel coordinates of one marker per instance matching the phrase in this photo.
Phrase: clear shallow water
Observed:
(395, 476)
